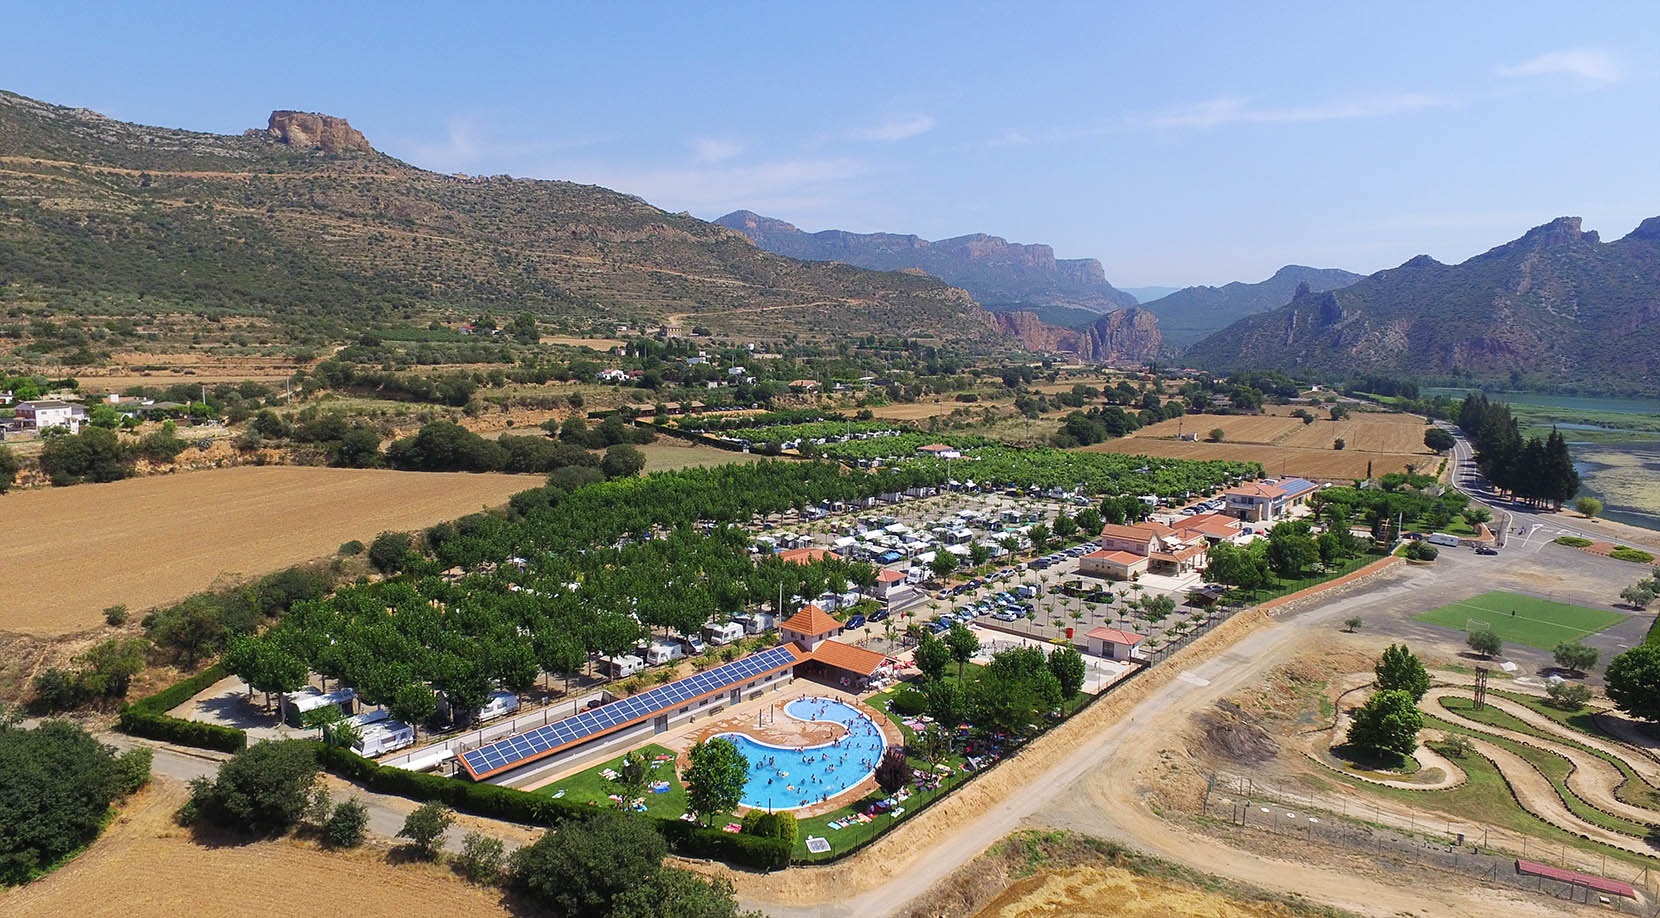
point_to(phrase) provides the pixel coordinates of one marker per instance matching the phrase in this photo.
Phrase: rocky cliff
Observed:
(311, 131)
(1124, 336)
(1001, 275)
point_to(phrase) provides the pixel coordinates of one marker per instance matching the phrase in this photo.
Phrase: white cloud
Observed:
(466, 146)
(1240, 110)
(896, 129)
(1594, 64)
(715, 149)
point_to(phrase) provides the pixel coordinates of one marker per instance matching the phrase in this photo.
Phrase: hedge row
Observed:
(498, 802)
(148, 717)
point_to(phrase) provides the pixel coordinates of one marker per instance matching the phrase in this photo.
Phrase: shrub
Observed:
(389, 550)
(1573, 541)
(1422, 551)
(56, 690)
(1569, 696)
(354, 547)
(481, 858)
(347, 825)
(909, 702)
(115, 616)
(1627, 553)
(426, 826)
(56, 785)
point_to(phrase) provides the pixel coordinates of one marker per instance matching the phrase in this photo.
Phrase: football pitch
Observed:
(1520, 619)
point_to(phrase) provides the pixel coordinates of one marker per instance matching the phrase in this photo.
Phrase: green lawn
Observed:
(592, 787)
(1518, 619)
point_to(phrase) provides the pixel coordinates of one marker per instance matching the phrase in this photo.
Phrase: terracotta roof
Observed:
(811, 620)
(1115, 636)
(888, 575)
(1118, 557)
(1211, 524)
(808, 555)
(1182, 554)
(1132, 533)
(846, 656)
(1256, 489)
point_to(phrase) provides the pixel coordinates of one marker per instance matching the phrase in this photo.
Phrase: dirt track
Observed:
(67, 553)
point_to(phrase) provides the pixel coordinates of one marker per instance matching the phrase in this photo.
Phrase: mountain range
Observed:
(1001, 275)
(304, 221)
(1555, 307)
(1191, 313)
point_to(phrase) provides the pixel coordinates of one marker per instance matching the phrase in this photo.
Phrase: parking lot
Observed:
(1039, 598)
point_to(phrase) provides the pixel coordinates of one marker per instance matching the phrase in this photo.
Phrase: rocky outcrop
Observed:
(311, 131)
(1125, 336)
(1034, 334)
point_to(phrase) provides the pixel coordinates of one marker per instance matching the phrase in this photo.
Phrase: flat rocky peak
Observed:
(314, 131)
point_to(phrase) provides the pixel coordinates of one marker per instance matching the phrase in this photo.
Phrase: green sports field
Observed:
(1520, 619)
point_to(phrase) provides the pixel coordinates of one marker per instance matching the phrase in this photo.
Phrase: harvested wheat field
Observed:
(1114, 891)
(71, 552)
(667, 454)
(1324, 464)
(144, 866)
(1287, 446)
(916, 411)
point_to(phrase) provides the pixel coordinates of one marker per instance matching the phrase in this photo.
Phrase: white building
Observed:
(42, 415)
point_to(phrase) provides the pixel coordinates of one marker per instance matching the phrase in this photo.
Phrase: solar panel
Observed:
(514, 749)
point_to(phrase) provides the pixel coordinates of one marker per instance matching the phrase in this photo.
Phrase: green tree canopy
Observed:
(1388, 722)
(1399, 669)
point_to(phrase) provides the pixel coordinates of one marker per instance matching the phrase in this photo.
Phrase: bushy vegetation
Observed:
(1535, 470)
(263, 790)
(56, 787)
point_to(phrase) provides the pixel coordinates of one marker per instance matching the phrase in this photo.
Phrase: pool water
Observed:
(790, 777)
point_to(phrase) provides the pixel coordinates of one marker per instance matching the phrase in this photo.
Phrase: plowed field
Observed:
(67, 553)
(1287, 446)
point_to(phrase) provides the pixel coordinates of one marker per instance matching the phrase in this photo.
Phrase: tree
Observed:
(347, 825)
(1588, 507)
(481, 857)
(676, 893)
(1632, 681)
(1065, 527)
(9, 467)
(962, 645)
(931, 656)
(1244, 567)
(931, 745)
(947, 703)
(943, 563)
(413, 703)
(1575, 657)
(108, 668)
(332, 725)
(1217, 435)
(715, 781)
(1039, 534)
(359, 449)
(633, 774)
(1339, 412)
(262, 790)
(1638, 595)
(1068, 666)
(92, 455)
(622, 461)
(56, 786)
(1401, 670)
(425, 828)
(1291, 549)
(1485, 641)
(1353, 623)
(1388, 722)
(1089, 521)
(893, 771)
(1339, 443)
(1439, 440)
(589, 863)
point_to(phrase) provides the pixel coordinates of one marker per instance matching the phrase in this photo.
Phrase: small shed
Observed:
(1112, 643)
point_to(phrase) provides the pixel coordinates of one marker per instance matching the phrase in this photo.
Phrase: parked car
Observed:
(878, 615)
(1486, 550)
(857, 621)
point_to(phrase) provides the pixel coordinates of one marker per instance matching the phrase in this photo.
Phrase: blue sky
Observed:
(1179, 144)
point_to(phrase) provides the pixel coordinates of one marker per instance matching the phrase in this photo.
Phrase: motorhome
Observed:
(382, 735)
(1442, 538)
(500, 704)
(622, 667)
(663, 652)
(723, 632)
(311, 700)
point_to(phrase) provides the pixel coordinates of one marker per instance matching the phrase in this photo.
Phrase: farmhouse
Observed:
(1256, 501)
(940, 451)
(889, 582)
(49, 413)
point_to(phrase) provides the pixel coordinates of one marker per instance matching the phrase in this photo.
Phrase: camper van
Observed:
(663, 652)
(757, 622)
(1442, 538)
(622, 667)
(694, 644)
(500, 704)
(304, 703)
(723, 632)
(383, 735)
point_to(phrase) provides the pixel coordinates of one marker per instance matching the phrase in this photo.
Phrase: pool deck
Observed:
(764, 720)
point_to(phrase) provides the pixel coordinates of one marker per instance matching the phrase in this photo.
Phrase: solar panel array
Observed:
(508, 752)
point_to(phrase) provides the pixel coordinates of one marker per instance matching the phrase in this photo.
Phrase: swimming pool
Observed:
(791, 777)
